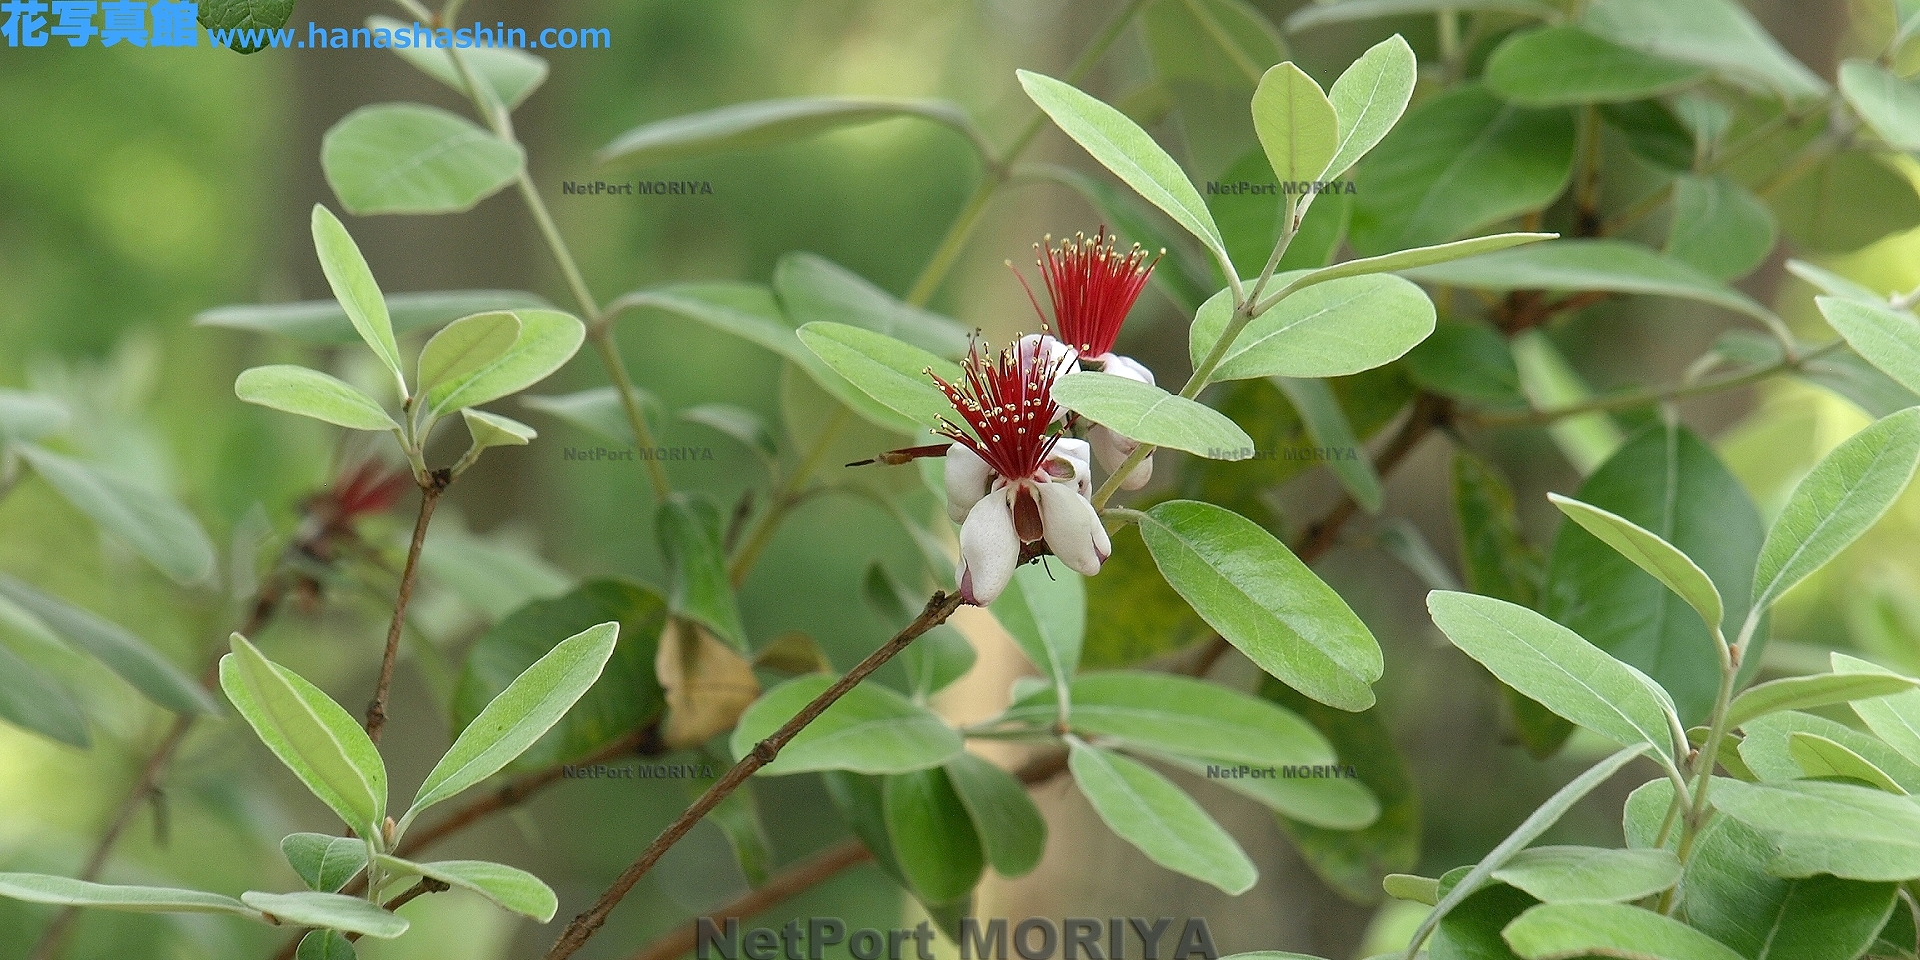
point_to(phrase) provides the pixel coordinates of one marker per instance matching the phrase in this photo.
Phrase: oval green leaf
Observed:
(353, 285)
(1047, 617)
(513, 75)
(547, 340)
(1329, 329)
(1887, 338)
(1893, 716)
(62, 891)
(1649, 552)
(1296, 124)
(1819, 690)
(464, 346)
(932, 834)
(129, 657)
(1567, 66)
(1554, 930)
(1263, 600)
(1013, 835)
(31, 700)
(325, 322)
(511, 887)
(324, 862)
(1612, 265)
(888, 370)
(767, 123)
(1148, 811)
(494, 430)
(332, 911)
(409, 158)
(696, 562)
(1369, 98)
(325, 945)
(1856, 833)
(1556, 874)
(310, 393)
(1718, 34)
(153, 524)
(869, 730)
(1151, 415)
(315, 737)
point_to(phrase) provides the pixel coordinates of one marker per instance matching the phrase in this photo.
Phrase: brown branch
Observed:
(802, 877)
(939, 607)
(425, 886)
(429, 496)
(265, 603)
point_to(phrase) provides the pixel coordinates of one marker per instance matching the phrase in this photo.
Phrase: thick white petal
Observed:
(1078, 454)
(1127, 367)
(1073, 528)
(989, 549)
(1140, 475)
(967, 479)
(1109, 447)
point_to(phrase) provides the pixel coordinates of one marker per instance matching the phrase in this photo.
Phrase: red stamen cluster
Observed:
(1007, 404)
(367, 488)
(1092, 286)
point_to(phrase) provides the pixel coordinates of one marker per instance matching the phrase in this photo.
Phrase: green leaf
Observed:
(869, 730)
(359, 294)
(1408, 259)
(118, 650)
(1329, 329)
(886, 369)
(1667, 481)
(697, 570)
(1719, 227)
(511, 74)
(1143, 617)
(61, 891)
(1556, 874)
(325, 945)
(1730, 896)
(234, 15)
(330, 910)
(933, 835)
(1846, 493)
(1718, 34)
(1888, 104)
(1369, 98)
(1768, 748)
(1122, 147)
(1554, 666)
(25, 417)
(1264, 601)
(627, 696)
(1321, 815)
(1856, 833)
(1013, 835)
(1148, 811)
(1821, 758)
(1461, 161)
(324, 862)
(1347, 11)
(597, 410)
(814, 288)
(1327, 426)
(1413, 889)
(1650, 553)
(1192, 718)
(465, 346)
(1819, 690)
(317, 739)
(767, 123)
(31, 700)
(530, 706)
(1467, 362)
(510, 887)
(494, 430)
(1530, 829)
(1046, 614)
(1894, 715)
(1848, 201)
(1494, 559)
(1566, 66)
(547, 340)
(411, 158)
(325, 322)
(1610, 929)
(1611, 265)
(1144, 412)
(1295, 122)
(310, 393)
(1472, 929)
(155, 526)
(1883, 336)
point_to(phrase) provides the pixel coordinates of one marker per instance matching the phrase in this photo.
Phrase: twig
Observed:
(265, 603)
(429, 496)
(425, 886)
(939, 607)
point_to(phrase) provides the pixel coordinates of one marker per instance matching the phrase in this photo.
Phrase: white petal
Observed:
(1140, 475)
(989, 549)
(1073, 528)
(1078, 455)
(967, 479)
(1110, 448)
(1127, 367)
(1043, 347)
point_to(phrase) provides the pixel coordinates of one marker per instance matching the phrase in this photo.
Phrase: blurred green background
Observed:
(139, 187)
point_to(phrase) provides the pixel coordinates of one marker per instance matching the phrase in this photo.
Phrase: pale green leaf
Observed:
(890, 371)
(1767, 748)
(332, 911)
(1327, 426)
(411, 158)
(1720, 228)
(1148, 811)
(315, 737)
(1820, 758)
(1555, 930)
(1555, 667)
(1369, 97)
(520, 715)
(1611, 265)
(1144, 412)
(129, 657)
(933, 835)
(513, 75)
(1893, 715)
(1650, 553)
(324, 862)
(1846, 493)
(1296, 124)
(466, 345)
(1730, 896)
(62, 891)
(1556, 874)
(1329, 329)
(310, 393)
(153, 524)
(1889, 105)
(1122, 147)
(1719, 34)
(547, 340)
(326, 322)
(510, 887)
(869, 730)
(1263, 600)
(1567, 66)
(494, 430)
(359, 294)
(1347, 11)
(767, 123)
(1819, 690)
(25, 417)
(1883, 336)
(31, 700)
(1411, 888)
(325, 945)
(1046, 614)
(1857, 833)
